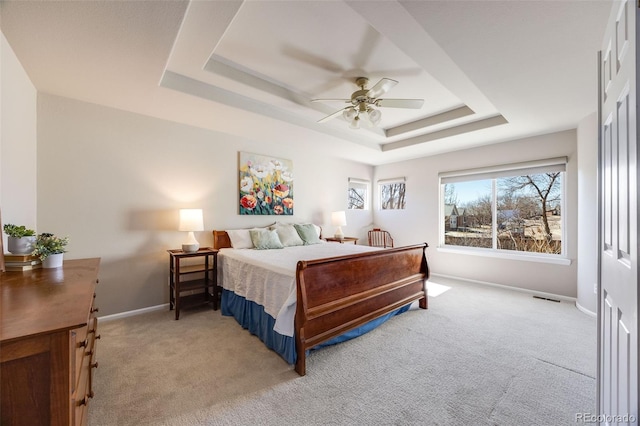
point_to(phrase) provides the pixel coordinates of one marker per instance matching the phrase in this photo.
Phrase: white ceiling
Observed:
(489, 71)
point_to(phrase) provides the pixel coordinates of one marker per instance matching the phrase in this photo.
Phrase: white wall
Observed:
(113, 182)
(419, 221)
(587, 213)
(17, 141)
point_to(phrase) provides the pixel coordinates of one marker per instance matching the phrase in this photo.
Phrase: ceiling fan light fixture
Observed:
(350, 113)
(374, 116)
(364, 100)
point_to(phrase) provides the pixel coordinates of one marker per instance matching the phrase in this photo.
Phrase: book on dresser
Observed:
(21, 262)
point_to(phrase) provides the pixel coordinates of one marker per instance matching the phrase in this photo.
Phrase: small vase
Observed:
(21, 245)
(53, 261)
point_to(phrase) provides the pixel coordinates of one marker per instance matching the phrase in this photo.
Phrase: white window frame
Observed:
(494, 172)
(363, 184)
(383, 182)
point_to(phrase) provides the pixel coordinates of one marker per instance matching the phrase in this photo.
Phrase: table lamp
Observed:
(190, 221)
(339, 219)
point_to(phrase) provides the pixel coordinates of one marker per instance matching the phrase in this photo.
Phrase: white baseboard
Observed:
(585, 310)
(132, 313)
(522, 290)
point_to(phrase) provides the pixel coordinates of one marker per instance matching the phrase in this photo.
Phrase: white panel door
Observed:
(618, 224)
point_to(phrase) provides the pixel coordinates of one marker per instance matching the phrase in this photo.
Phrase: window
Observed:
(514, 208)
(358, 194)
(392, 193)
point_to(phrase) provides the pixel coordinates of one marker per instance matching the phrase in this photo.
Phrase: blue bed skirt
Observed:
(252, 317)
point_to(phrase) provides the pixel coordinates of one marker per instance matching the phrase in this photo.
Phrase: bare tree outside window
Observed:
(392, 196)
(527, 210)
(450, 195)
(358, 194)
(356, 198)
(530, 210)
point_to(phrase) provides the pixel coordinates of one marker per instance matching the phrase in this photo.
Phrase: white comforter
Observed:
(267, 277)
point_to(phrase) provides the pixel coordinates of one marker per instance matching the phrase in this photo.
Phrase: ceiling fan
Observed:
(364, 100)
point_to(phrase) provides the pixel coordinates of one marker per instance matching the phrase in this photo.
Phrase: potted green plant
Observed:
(50, 249)
(20, 239)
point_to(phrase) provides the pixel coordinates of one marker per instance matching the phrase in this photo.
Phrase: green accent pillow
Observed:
(308, 233)
(264, 239)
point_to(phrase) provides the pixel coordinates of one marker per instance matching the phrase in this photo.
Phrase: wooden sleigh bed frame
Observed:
(338, 294)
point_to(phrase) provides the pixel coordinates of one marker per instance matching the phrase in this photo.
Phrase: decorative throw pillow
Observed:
(240, 238)
(308, 233)
(288, 235)
(264, 239)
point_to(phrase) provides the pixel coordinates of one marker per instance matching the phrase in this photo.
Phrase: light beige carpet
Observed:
(478, 356)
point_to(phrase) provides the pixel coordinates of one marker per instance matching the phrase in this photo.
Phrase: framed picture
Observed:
(266, 185)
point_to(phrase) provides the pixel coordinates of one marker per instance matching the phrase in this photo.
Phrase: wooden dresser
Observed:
(48, 333)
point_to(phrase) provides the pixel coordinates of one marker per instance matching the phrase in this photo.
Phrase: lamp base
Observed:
(191, 245)
(338, 234)
(190, 248)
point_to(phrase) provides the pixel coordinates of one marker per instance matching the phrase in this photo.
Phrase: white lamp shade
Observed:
(191, 220)
(339, 218)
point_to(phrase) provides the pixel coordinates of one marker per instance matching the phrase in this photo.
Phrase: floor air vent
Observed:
(546, 298)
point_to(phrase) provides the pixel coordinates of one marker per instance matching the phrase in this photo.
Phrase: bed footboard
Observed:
(338, 294)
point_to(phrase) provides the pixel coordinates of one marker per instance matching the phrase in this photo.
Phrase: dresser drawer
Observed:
(81, 399)
(84, 364)
(93, 360)
(79, 343)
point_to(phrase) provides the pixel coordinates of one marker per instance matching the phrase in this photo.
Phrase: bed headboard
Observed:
(221, 240)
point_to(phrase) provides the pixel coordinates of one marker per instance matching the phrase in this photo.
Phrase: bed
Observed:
(305, 297)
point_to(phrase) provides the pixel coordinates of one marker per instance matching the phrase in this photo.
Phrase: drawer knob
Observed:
(83, 344)
(94, 310)
(94, 365)
(83, 401)
(98, 336)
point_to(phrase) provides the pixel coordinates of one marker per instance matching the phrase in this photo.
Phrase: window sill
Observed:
(529, 257)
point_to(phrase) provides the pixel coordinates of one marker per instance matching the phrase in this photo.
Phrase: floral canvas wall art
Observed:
(266, 185)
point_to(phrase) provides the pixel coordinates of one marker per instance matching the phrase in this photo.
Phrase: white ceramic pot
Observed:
(22, 245)
(53, 261)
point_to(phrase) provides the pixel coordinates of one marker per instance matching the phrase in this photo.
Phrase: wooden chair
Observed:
(380, 238)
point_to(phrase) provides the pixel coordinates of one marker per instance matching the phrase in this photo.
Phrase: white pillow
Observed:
(240, 238)
(288, 235)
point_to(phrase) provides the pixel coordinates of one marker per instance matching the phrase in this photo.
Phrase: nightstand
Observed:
(343, 240)
(196, 273)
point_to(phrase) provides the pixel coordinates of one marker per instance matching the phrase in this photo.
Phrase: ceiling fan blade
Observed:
(330, 100)
(331, 116)
(400, 103)
(381, 87)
